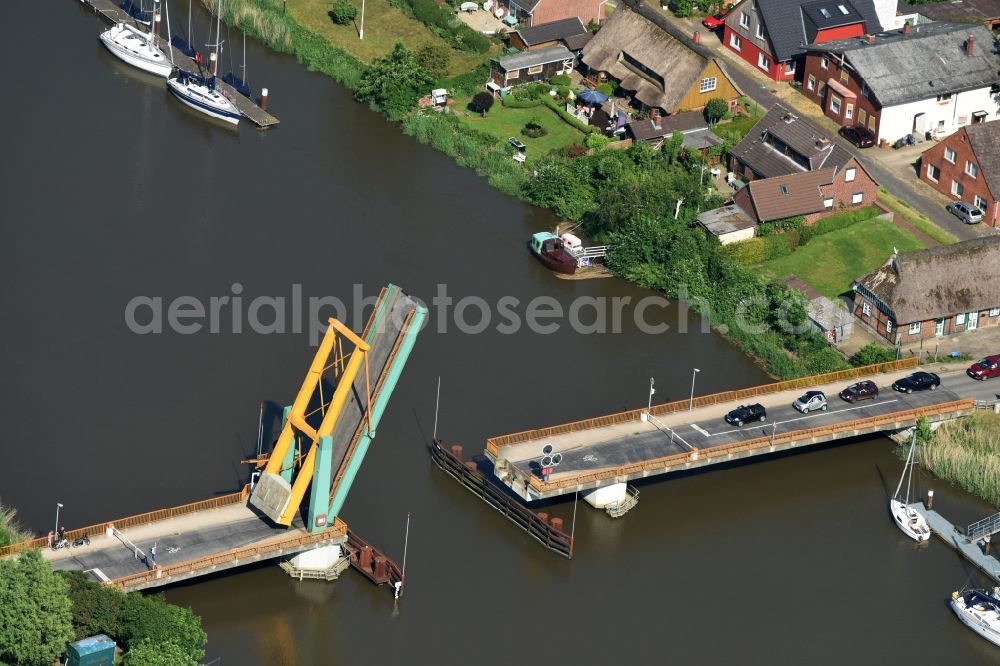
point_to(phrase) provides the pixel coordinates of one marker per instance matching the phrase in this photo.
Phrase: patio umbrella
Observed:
(593, 97)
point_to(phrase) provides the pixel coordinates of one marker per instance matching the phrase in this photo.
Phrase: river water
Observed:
(112, 190)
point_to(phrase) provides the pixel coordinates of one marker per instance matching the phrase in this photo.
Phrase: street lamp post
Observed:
(691, 400)
(361, 31)
(649, 405)
(58, 506)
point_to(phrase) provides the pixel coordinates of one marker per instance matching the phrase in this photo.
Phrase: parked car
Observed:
(965, 212)
(810, 401)
(918, 381)
(985, 368)
(514, 141)
(746, 413)
(715, 21)
(866, 390)
(858, 135)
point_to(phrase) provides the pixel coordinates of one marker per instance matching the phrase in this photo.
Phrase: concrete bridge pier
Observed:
(322, 563)
(600, 498)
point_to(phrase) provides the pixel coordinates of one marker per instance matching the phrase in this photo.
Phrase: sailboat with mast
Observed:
(979, 610)
(136, 47)
(240, 85)
(911, 523)
(200, 92)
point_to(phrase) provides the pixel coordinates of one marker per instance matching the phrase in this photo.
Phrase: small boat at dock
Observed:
(911, 523)
(979, 610)
(553, 253)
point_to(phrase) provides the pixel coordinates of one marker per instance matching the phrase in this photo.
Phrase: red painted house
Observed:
(770, 34)
(966, 167)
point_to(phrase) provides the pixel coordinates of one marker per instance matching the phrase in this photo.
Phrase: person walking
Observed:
(51, 535)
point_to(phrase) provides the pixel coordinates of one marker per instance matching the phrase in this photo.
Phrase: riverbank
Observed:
(10, 530)
(966, 453)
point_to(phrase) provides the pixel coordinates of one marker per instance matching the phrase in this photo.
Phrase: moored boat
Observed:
(907, 519)
(200, 94)
(137, 48)
(979, 610)
(553, 253)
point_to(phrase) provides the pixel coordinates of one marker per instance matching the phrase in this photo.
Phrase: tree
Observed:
(871, 354)
(596, 141)
(683, 8)
(95, 607)
(35, 611)
(672, 148)
(562, 188)
(482, 102)
(434, 58)
(715, 110)
(343, 12)
(393, 84)
(153, 619)
(167, 653)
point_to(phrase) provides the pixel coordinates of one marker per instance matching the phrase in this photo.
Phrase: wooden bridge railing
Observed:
(765, 442)
(132, 521)
(338, 529)
(494, 444)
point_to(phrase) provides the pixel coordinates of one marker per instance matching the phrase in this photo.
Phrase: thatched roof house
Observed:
(950, 288)
(662, 67)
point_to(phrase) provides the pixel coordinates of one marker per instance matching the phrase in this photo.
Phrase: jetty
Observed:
(971, 543)
(250, 109)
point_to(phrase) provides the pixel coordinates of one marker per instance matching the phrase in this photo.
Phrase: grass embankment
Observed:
(503, 122)
(10, 530)
(384, 25)
(966, 453)
(831, 262)
(921, 222)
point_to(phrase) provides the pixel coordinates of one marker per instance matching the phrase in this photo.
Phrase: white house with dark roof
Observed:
(934, 77)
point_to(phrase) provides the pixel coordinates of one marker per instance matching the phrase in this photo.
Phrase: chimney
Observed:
(696, 37)
(906, 28)
(822, 143)
(870, 38)
(970, 44)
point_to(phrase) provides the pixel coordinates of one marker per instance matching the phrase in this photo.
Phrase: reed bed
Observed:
(966, 453)
(10, 530)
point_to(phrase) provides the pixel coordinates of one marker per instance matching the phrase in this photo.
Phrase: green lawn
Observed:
(921, 222)
(504, 122)
(830, 262)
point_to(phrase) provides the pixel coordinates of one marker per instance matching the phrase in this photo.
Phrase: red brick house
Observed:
(537, 12)
(966, 167)
(810, 194)
(770, 34)
(932, 293)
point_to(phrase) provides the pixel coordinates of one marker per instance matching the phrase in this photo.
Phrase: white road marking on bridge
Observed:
(659, 424)
(700, 429)
(771, 424)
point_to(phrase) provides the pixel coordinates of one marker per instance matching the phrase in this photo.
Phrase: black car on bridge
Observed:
(746, 413)
(918, 381)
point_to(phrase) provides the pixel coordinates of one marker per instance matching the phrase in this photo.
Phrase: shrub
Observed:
(434, 58)
(576, 150)
(596, 141)
(469, 83)
(560, 80)
(515, 103)
(780, 226)
(838, 222)
(755, 251)
(343, 12)
(683, 8)
(534, 130)
(440, 21)
(605, 88)
(152, 619)
(393, 83)
(716, 109)
(872, 354)
(482, 102)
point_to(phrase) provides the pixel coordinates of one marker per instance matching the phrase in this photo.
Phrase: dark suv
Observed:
(918, 381)
(746, 413)
(861, 391)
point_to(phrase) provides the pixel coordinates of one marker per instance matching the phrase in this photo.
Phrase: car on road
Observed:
(866, 390)
(715, 21)
(517, 143)
(918, 381)
(985, 368)
(858, 135)
(965, 212)
(746, 414)
(811, 401)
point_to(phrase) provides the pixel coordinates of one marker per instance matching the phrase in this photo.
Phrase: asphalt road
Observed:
(705, 435)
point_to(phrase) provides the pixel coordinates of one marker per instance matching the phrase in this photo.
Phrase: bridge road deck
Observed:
(114, 14)
(634, 441)
(185, 538)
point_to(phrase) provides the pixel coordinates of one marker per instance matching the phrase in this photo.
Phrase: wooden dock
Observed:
(112, 13)
(951, 535)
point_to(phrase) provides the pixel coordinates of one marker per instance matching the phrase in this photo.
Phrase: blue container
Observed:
(97, 650)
